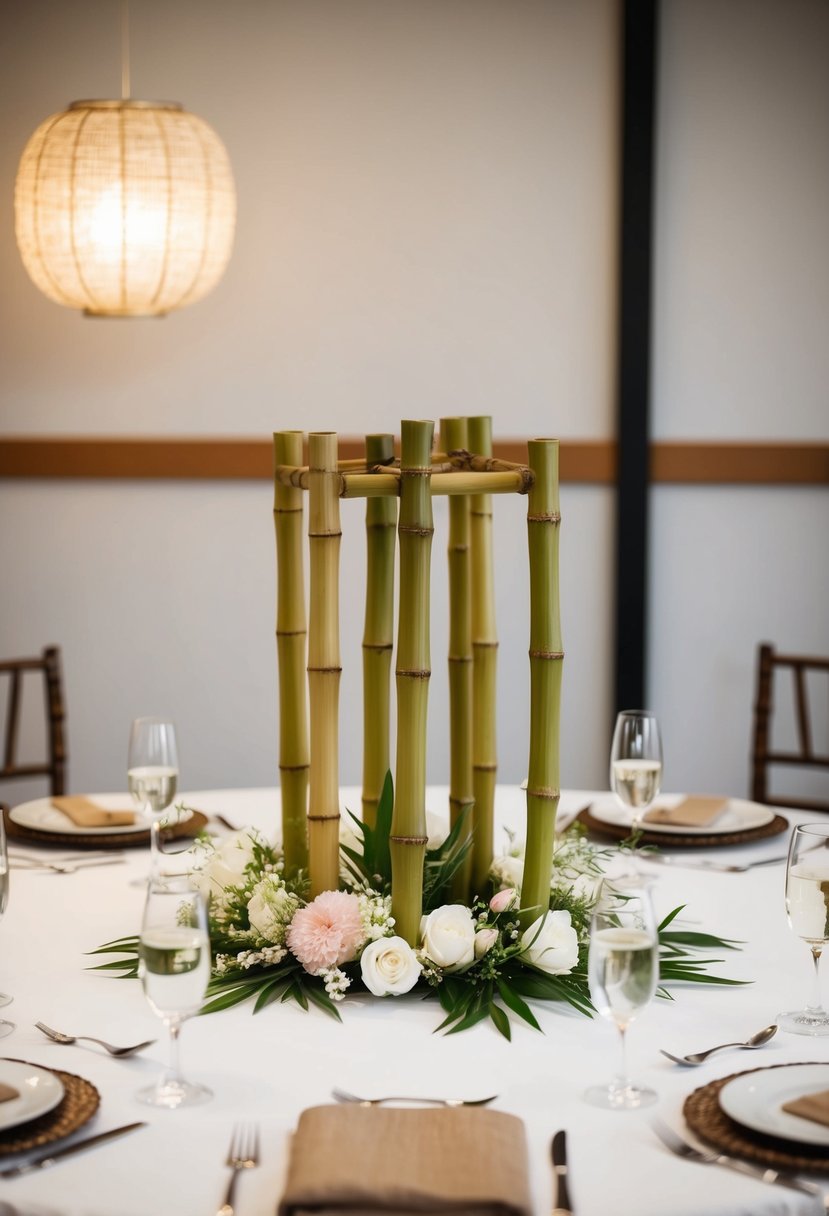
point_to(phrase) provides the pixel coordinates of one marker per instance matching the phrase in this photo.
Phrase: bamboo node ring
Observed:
(419, 840)
(545, 517)
(413, 675)
(413, 530)
(322, 535)
(546, 792)
(546, 654)
(324, 670)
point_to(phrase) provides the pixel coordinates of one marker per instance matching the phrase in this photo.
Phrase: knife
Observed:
(561, 1197)
(46, 1159)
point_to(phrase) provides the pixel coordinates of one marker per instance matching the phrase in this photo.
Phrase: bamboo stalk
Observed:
(380, 485)
(324, 663)
(291, 639)
(546, 655)
(415, 528)
(378, 633)
(484, 659)
(454, 434)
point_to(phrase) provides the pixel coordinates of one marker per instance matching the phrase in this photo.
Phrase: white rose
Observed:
(509, 870)
(485, 939)
(226, 865)
(449, 936)
(270, 909)
(551, 944)
(389, 966)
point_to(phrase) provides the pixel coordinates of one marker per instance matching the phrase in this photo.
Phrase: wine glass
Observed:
(152, 771)
(5, 1027)
(636, 762)
(623, 970)
(807, 907)
(174, 966)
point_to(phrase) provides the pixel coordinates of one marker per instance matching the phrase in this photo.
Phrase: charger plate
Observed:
(684, 840)
(708, 1120)
(120, 840)
(79, 1103)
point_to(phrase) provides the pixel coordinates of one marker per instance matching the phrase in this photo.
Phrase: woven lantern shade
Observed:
(125, 208)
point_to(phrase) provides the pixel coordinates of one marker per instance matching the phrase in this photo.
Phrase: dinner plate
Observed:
(756, 1099)
(39, 1090)
(40, 816)
(739, 816)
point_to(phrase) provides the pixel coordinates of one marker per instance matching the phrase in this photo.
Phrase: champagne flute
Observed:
(623, 971)
(5, 1027)
(152, 771)
(174, 966)
(807, 907)
(636, 762)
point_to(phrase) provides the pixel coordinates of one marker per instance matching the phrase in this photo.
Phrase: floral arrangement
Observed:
(271, 943)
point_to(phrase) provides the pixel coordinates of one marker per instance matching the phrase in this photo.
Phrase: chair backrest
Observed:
(54, 766)
(804, 755)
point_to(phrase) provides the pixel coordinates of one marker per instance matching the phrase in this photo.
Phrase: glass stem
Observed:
(816, 1004)
(173, 1074)
(622, 1080)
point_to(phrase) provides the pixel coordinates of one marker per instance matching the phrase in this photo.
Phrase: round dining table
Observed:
(270, 1066)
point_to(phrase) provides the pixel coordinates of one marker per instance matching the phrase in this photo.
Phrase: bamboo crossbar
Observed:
(498, 477)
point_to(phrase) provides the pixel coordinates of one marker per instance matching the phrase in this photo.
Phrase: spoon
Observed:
(342, 1095)
(697, 1057)
(120, 1052)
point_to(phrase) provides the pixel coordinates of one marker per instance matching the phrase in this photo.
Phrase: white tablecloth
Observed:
(270, 1066)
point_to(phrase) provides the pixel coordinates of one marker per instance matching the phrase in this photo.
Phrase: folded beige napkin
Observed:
(695, 811)
(85, 814)
(811, 1106)
(357, 1159)
(7, 1092)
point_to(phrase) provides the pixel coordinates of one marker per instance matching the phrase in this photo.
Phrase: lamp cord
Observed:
(125, 50)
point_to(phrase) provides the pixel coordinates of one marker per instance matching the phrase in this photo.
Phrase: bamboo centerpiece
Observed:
(546, 655)
(324, 662)
(484, 659)
(415, 529)
(291, 638)
(378, 634)
(454, 436)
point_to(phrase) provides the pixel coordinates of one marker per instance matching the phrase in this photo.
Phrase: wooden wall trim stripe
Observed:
(235, 459)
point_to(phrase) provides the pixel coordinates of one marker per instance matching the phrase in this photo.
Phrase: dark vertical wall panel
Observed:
(639, 32)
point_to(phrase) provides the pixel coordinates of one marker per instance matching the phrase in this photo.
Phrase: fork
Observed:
(342, 1095)
(57, 1036)
(723, 867)
(68, 867)
(681, 1148)
(243, 1154)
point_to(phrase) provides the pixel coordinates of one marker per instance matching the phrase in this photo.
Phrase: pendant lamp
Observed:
(125, 208)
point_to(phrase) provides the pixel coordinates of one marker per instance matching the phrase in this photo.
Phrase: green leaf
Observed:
(322, 1000)
(227, 999)
(699, 941)
(500, 1020)
(382, 830)
(671, 916)
(270, 992)
(516, 1003)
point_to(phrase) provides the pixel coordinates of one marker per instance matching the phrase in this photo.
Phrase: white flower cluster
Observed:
(336, 982)
(375, 913)
(576, 867)
(271, 909)
(223, 871)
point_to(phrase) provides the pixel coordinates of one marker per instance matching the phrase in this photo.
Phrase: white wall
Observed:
(426, 226)
(740, 352)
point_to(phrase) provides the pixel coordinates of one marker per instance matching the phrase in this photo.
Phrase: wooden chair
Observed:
(763, 755)
(54, 767)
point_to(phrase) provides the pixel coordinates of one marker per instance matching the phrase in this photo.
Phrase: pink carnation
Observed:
(327, 932)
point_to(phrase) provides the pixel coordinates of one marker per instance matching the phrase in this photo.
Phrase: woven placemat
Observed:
(679, 840)
(116, 840)
(705, 1117)
(77, 1106)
